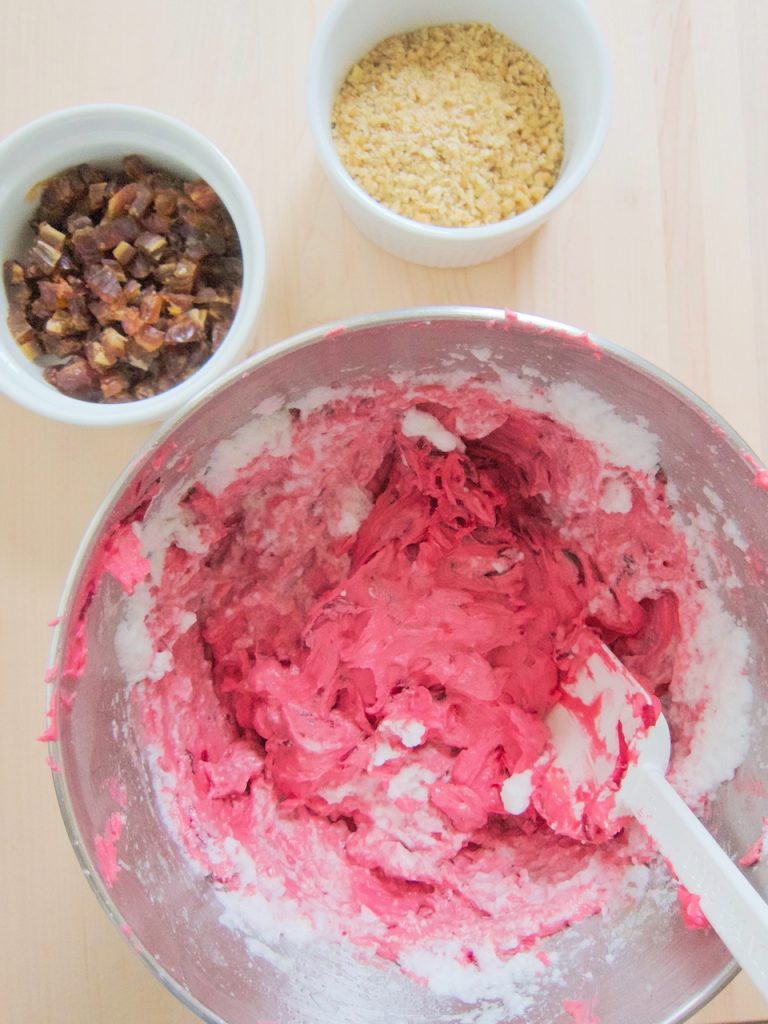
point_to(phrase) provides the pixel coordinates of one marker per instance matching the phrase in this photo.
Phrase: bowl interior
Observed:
(644, 959)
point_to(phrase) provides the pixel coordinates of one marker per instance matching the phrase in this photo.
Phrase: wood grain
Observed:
(662, 250)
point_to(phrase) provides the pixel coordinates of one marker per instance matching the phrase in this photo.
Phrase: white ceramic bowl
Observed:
(560, 33)
(102, 134)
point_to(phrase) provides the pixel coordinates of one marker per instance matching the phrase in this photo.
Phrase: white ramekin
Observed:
(104, 134)
(561, 33)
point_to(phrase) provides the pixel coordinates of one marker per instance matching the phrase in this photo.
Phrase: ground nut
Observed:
(452, 125)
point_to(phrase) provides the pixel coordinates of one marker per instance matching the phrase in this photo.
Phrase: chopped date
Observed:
(131, 283)
(76, 377)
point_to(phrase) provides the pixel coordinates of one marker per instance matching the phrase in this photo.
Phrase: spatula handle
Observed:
(732, 906)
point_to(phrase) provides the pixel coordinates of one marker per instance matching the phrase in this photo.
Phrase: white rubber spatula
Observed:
(609, 754)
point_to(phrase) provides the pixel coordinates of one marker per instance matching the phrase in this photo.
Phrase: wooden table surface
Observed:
(663, 249)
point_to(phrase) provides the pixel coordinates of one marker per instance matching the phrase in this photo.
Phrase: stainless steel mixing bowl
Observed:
(661, 972)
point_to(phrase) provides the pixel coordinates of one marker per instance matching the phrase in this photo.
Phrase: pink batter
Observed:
(354, 645)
